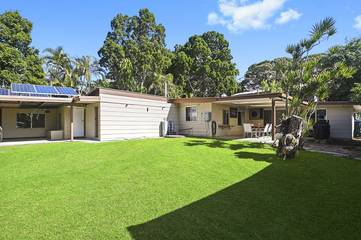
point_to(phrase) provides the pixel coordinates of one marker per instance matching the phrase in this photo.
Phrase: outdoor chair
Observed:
(267, 130)
(248, 130)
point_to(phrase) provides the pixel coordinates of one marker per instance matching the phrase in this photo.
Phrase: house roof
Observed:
(11, 98)
(340, 103)
(248, 92)
(35, 101)
(117, 92)
(255, 98)
(258, 95)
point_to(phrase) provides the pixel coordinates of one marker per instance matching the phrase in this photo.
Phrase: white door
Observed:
(78, 122)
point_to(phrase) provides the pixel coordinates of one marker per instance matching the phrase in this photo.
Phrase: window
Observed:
(240, 118)
(233, 112)
(38, 121)
(321, 114)
(225, 117)
(29, 120)
(256, 114)
(23, 120)
(191, 114)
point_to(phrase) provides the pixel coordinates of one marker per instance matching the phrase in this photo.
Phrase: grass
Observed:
(176, 189)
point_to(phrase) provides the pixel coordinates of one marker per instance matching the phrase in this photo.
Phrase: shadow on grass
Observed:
(217, 143)
(313, 197)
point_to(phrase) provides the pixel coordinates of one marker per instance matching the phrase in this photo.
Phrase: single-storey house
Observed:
(230, 113)
(109, 114)
(104, 114)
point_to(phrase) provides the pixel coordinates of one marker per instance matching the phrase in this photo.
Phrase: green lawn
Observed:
(176, 189)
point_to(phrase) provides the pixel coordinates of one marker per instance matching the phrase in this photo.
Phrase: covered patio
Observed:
(260, 113)
(30, 118)
(240, 115)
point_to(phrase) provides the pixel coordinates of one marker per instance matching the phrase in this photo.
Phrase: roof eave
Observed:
(6, 98)
(223, 99)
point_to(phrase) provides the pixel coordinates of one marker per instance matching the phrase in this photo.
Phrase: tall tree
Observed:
(263, 71)
(203, 66)
(89, 73)
(305, 78)
(134, 53)
(349, 54)
(19, 62)
(82, 73)
(59, 67)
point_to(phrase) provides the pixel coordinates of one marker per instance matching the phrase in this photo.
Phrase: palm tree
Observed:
(62, 70)
(88, 72)
(304, 76)
(59, 67)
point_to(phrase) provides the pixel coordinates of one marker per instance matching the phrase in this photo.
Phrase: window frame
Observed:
(191, 118)
(32, 120)
(31, 117)
(241, 115)
(225, 123)
(18, 120)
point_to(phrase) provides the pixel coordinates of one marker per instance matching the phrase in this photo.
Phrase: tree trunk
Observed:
(290, 138)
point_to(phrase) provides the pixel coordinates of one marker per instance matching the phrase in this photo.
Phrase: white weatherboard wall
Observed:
(123, 117)
(340, 118)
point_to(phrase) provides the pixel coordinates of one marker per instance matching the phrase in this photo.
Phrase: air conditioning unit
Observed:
(207, 116)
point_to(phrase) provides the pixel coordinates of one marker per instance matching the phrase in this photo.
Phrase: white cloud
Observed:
(214, 19)
(238, 15)
(287, 16)
(357, 24)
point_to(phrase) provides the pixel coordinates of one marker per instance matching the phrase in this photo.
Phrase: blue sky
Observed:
(256, 29)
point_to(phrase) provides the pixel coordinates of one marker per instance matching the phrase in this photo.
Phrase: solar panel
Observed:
(22, 88)
(66, 91)
(4, 91)
(39, 95)
(42, 89)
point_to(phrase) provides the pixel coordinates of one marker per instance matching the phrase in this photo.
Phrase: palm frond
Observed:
(325, 27)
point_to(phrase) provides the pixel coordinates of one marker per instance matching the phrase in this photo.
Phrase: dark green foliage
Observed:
(306, 77)
(134, 53)
(203, 66)
(341, 58)
(356, 92)
(263, 71)
(350, 55)
(136, 59)
(83, 73)
(18, 61)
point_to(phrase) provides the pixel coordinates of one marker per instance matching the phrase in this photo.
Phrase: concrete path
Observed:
(40, 141)
(334, 149)
(343, 150)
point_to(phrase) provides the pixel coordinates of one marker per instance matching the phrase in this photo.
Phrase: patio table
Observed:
(257, 130)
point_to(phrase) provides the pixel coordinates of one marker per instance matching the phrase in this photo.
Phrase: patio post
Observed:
(71, 122)
(273, 119)
(287, 111)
